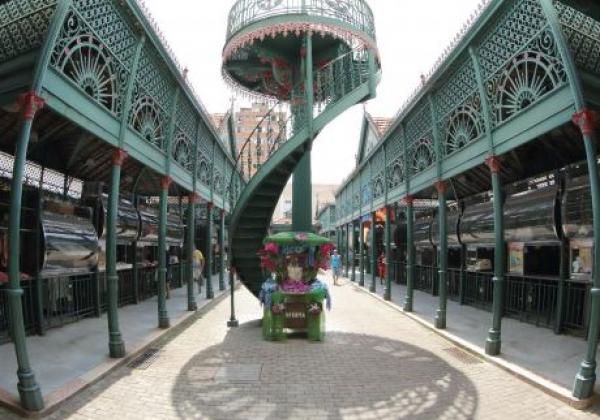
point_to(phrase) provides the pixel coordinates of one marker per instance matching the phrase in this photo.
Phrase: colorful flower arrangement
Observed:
(314, 309)
(278, 309)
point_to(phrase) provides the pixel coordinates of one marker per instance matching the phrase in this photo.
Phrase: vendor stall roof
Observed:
(297, 238)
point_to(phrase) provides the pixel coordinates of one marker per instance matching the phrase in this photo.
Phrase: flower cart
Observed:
(293, 298)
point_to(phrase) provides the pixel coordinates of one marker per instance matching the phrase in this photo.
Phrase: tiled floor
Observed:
(376, 363)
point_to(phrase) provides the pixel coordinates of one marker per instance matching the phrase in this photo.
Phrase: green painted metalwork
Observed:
(208, 252)
(222, 250)
(373, 254)
(388, 254)
(410, 257)
(29, 390)
(163, 316)
(116, 345)
(440, 317)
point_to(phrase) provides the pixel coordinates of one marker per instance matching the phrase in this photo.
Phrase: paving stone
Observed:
(376, 363)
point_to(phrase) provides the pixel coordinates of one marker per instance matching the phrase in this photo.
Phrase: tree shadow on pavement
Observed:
(348, 375)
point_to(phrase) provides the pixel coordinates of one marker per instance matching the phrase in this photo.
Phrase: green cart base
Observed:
(294, 319)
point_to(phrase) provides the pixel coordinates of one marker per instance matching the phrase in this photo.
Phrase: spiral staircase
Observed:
(347, 73)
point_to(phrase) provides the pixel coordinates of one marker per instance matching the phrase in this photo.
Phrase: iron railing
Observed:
(425, 277)
(355, 13)
(126, 291)
(147, 282)
(454, 284)
(531, 299)
(28, 302)
(478, 289)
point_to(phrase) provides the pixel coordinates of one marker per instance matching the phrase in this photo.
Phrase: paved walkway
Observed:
(67, 357)
(376, 363)
(540, 350)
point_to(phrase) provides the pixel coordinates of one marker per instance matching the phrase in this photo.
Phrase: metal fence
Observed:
(531, 299)
(478, 289)
(425, 277)
(64, 300)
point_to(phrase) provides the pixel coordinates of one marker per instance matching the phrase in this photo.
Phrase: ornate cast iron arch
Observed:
(84, 59)
(464, 126)
(182, 151)
(146, 121)
(423, 155)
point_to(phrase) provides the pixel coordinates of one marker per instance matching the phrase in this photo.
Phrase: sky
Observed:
(411, 35)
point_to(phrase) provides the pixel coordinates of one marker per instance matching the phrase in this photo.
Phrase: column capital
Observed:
(210, 205)
(585, 120)
(165, 182)
(222, 212)
(194, 198)
(409, 200)
(30, 102)
(441, 186)
(119, 156)
(493, 162)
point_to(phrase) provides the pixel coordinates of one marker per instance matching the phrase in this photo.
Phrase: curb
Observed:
(54, 400)
(539, 382)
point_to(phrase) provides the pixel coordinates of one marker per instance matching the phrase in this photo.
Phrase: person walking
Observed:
(336, 266)
(381, 267)
(198, 266)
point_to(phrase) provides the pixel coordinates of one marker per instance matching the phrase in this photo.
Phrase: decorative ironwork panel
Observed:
(378, 173)
(155, 78)
(583, 36)
(420, 139)
(23, 25)
(528, 77)
(110, 26)
(85, 60)
(148, 118)
(458, 108)
(355, 13)
(355, 194)
(183, 151)
(186, 117)
(365, 187)
(511, 31)
(395, 171)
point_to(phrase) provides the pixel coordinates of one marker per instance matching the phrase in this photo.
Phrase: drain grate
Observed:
(462, 356)
(145, 360)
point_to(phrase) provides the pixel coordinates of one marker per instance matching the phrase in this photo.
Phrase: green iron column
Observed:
(410, 253)
(388, 253)
(116, 345)
(222, 248)
(361, 250)
(29, 390)
(347, 244)
(302, 180)
(493, 342)
(586, 377)
(208, 255)
(353, 263)
(163, 316)
(373, 248)
(440, 318)
(191, 247)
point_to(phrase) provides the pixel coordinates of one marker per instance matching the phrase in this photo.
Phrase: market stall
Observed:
(293, 296)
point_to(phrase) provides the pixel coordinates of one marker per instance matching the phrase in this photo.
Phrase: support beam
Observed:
(116, 346)
(388, 253)
(586, 377)
(221, 249)
(190, 248)
(208, 255)
(347, 245)
(440, 318)
(353, 262)
(361, 250)
(410, 253)
(163, 316)
(493, 343)
(29, 390)
(373, 249)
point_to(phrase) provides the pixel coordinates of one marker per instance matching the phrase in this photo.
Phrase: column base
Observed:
(440, 320)
(373, 288)
(116, 349)
(30, 393)
(221, 286)
(387, 294)
(164, 322)
(192, 306)
(233, 323)
(408, 305)
(361, 282)
(585, 381)
(210, 294)
(493, 344)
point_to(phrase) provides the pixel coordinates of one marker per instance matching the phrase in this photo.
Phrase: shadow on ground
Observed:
(347, 375)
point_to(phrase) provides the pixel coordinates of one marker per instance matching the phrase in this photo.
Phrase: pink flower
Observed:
(268, 264)
(326, 249)
(271, 248)
(301, 237)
